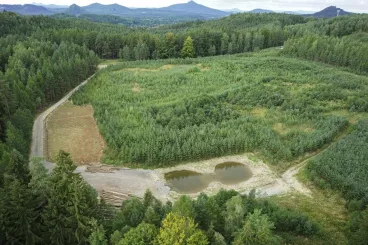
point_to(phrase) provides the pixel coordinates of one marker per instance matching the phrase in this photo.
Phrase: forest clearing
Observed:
(281, 121)
(73, 129)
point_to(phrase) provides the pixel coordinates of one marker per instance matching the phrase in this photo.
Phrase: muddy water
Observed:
(185, 181)
(228, 173)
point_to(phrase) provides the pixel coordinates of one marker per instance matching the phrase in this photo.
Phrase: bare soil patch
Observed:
(73, 129)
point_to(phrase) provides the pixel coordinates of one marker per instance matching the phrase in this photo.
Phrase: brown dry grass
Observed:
(203, 68)
(73, 129)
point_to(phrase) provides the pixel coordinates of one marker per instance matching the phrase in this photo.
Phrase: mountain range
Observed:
(190, 10)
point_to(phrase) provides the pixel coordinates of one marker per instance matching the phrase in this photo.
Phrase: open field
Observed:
(73, 129)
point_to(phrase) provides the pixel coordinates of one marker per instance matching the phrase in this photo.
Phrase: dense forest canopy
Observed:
(268, 102)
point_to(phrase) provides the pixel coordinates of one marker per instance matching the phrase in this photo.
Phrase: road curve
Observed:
(38, 132)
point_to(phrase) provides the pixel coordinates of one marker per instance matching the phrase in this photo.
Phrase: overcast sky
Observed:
(308, 5)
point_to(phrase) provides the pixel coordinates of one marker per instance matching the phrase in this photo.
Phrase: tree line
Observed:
(33, 73)
(60, 208)
(338, 41)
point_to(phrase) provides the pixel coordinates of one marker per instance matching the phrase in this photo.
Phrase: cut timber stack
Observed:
(101, 168)
(114, 198)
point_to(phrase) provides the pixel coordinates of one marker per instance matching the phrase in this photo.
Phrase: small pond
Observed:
(228, 173)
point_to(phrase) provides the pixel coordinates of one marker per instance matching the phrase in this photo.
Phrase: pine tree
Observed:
(19, 205)
(15, 139)
(224, 43)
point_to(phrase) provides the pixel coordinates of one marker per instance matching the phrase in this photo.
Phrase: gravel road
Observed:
(38, 133)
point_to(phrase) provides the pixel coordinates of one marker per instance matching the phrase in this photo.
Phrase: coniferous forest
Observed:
(185, 92)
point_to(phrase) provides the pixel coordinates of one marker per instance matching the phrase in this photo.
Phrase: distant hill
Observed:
(261, 11)
(75, 10)
(193, 7)
(298, 12)
(51, 6)
(329, 12)
(111, 9)
(26, 9)
(233, 10)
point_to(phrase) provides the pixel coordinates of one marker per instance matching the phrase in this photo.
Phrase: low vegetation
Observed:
(167, 121)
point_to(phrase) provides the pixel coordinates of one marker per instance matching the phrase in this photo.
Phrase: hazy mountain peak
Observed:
(193, 7)
(329, 12)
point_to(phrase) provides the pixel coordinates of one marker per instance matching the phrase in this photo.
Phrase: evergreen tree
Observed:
(143, 234)
(224, 43)
(71, 206)
(257, 230)
(179, 230)
(188, 50)
(97, 236)
(184, 207)
(132, 212)
(19, 205)
(19, 213)
(115, 238)
(126, 55)
(234, 215)
(212, 50)
(15, 139)
(141, 51)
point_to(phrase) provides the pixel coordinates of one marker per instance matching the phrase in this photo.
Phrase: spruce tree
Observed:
(71, 206)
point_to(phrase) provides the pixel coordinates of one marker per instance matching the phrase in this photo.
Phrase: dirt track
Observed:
(120, 183)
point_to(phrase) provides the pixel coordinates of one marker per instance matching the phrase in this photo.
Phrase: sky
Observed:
(358, 6)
